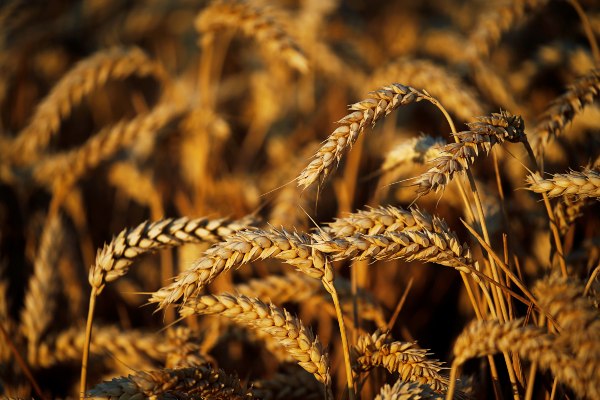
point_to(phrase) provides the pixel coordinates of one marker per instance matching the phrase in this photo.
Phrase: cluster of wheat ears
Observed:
(298, 258)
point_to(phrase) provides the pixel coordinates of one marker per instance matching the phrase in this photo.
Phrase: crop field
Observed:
(300, 199)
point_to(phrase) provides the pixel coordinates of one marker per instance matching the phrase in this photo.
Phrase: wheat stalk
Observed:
(457, 157)
(201, 381)
(407, 359)
(238, 249)
(580, 184)
(366, 112)
(253, 22)
(87, 76)
(275, 321)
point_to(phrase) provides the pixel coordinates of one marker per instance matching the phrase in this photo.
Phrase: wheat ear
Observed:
(40, 299)
(114, 260)
(493, 24)
(457, 157)
(563, 109)
(238, 249)
(403, 390)
(254, 23)
(289, 385)
(366, 112)
(531, 343)
(407, 359)
(285, 329)
(132, 348)
(197, 382)
(87, 76)
(66, 168)
(580, 184)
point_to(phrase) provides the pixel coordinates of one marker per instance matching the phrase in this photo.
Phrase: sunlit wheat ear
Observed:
(492, 25)
(403, 390)
(457, 157)
(87, 76)
(583, 92)
(44, 287)
(584, 184)
(115, 258)
(292, 384)
(255, 23)
(531, 343)
(393, 233)
(443, 84)
(407, 359)
(367, 112)
(285, 329)
(193, 382)
(238, 249)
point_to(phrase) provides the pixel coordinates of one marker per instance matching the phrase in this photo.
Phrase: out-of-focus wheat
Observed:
(88, 75)
(201, 381)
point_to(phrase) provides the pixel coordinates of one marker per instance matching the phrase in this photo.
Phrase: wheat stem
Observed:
(328, 284)
(86, 347)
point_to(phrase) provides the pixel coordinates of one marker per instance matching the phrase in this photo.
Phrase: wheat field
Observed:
(300, 199)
